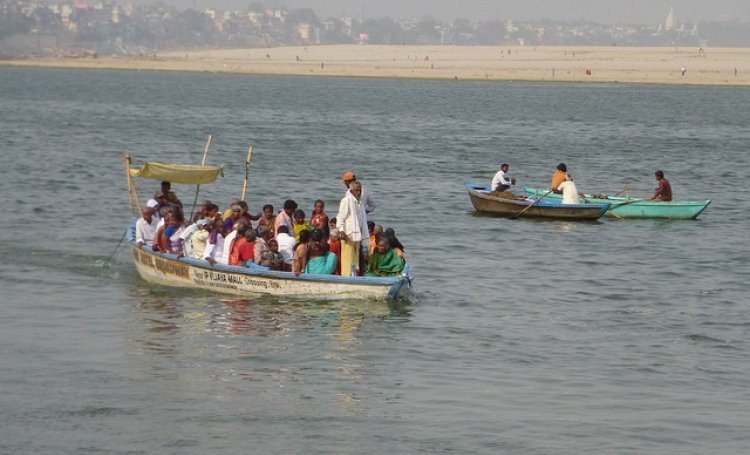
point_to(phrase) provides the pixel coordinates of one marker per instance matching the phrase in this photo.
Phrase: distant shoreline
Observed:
(632, 65)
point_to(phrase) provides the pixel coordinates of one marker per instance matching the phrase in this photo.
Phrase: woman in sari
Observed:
(320, 260)
(384, 261)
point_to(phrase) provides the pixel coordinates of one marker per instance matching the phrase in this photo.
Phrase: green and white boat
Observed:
(627, 207)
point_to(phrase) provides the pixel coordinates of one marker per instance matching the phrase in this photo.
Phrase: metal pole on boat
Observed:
(198, 187)
(247, 171)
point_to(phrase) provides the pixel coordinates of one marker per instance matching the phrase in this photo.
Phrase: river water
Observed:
(538, 337)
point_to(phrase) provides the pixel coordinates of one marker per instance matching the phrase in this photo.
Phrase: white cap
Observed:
(152, 203)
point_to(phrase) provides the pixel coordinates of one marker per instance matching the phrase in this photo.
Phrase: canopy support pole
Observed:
(198, 187)
(247, 171)
(129, 179)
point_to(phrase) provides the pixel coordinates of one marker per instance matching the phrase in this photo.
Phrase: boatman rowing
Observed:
(502, 181)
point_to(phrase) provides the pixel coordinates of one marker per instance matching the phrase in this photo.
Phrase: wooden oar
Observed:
(530, 205)
(247, 170)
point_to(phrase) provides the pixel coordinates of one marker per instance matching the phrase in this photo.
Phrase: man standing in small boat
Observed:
(351, 222)
(366, 199)
(501, 181)
(664, 191)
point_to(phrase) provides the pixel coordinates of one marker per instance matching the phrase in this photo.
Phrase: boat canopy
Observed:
(178, 173)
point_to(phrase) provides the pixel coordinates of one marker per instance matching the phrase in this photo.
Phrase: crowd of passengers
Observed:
(347, 245)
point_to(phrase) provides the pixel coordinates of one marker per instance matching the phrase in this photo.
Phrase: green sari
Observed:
(387, 264)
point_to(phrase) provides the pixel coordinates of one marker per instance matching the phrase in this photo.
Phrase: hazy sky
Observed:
(604, 11)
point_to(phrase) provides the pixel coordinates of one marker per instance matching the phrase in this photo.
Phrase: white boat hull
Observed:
(167, 269)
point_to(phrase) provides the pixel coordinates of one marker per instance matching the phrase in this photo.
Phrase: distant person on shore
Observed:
(664, 190)
(558, 177)
(501, 182)
(366, 199)
(569, 190)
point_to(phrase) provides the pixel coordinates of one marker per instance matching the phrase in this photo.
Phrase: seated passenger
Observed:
(320, 259)
(198, 239)
(170, 239)
(237, 241)
(215, 245)
(261, 244)
(284, 218)
(269, 219)
(234, 215)
(146, 226)
(375, 231)
(384, 261)
(319, 219)
(390, 234)
(247, 250)
(272, 258)
(299, 260)
(286, 245)
(245, 215)
(300, 224)
(334, 245)
(569, 190)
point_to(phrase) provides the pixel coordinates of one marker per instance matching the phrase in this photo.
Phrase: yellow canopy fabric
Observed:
(178, 173)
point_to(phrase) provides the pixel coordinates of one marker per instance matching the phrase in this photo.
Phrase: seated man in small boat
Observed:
(501, 182)
(558, 177)
(215, 245)
(320, 259)
(664, 191)
(384, 261)
(569, 191)
(146, 226)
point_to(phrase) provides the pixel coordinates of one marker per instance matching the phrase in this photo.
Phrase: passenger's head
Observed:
(659, 175)
(273, 245)
(250, 235)
(348, 178)
(569, 177)
(290, 206)
(562, 167)
(268, 210)
(240, 227)
(299, 216)
(377, 229)
(243, 206)
(383, 244)
(283, 229)
(356, 189)
(332, 222)
(318, 206)
(504, 167)
(370, 226)
(304, 236)
(236, 211)
(211, 210)
(263, 232)
(166, 187)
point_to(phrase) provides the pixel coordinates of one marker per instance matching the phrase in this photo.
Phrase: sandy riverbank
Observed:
(719, 66)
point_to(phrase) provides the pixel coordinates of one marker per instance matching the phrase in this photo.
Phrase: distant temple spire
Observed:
(669, 21)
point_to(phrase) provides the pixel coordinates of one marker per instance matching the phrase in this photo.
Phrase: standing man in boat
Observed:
(351, 223)
(664, 191)
(558, 177)
(166, 196)
(501, 181)
(366, 198)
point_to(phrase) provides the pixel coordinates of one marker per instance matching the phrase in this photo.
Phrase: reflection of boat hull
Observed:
(638, 208)
(483, 201)
(169, 270)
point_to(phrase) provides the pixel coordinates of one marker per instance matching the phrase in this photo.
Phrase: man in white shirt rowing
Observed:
(502, 181)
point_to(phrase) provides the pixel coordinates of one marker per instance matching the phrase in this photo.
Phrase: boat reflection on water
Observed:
(284, 343)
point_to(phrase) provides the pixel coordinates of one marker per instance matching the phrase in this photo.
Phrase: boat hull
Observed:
(169, 270)
(638, 208)
(483, 201)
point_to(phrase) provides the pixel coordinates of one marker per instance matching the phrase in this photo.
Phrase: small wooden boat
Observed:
(484, 201)
(172, 270)
(625, 207)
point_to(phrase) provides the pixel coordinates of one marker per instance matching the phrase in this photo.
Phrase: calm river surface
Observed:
(529, 337)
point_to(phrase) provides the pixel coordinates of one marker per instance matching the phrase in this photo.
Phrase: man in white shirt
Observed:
(214, 247)
(569, 190)
(145, 227)
(366, 199)
(501, 181)
(286, 246)
(351, 221)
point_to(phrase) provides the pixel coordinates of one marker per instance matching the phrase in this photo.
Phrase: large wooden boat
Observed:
(172, 270)
(625, 207)
(484, 201)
